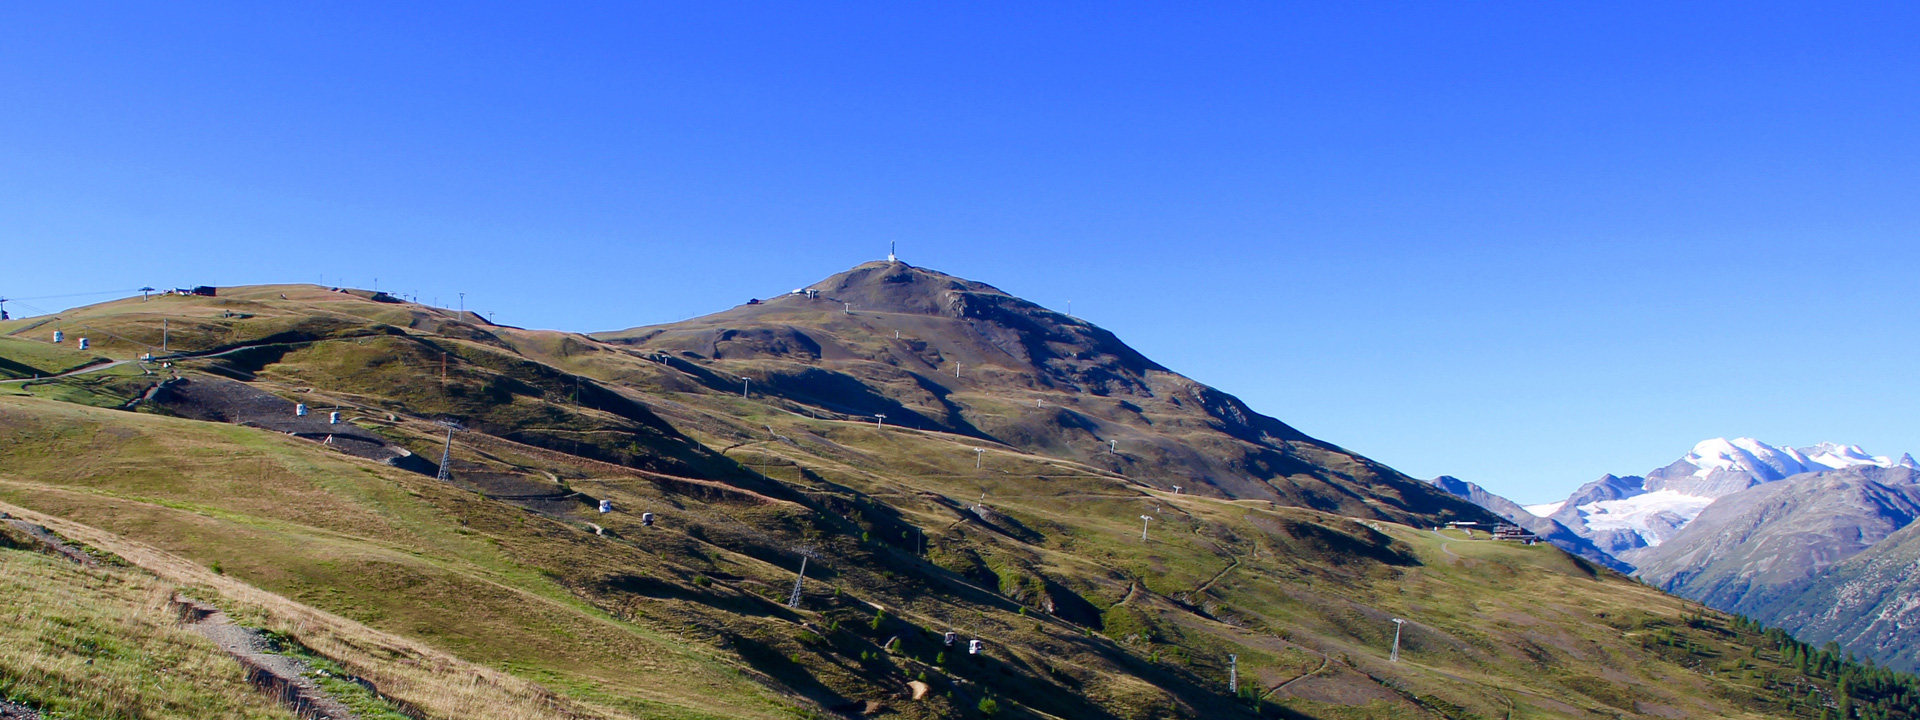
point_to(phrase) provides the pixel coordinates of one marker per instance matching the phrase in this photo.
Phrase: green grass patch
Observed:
(29, 358)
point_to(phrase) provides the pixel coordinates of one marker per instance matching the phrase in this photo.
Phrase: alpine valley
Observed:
(890, 493)
(1814, 540)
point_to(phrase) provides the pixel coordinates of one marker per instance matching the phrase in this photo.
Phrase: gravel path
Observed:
(282, 676)
(279, 675)
(51, 541)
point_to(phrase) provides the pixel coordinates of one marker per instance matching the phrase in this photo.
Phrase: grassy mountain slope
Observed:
(1865, 603)
(1036, 550)
(936, 352)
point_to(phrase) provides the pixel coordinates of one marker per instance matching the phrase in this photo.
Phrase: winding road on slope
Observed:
(1446, 545)
(97, 367)
(1324, 662)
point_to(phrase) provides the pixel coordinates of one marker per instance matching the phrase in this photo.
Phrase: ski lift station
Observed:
(1513, 532)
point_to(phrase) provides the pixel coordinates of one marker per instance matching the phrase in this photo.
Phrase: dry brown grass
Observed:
(438, 683)
(105, 643)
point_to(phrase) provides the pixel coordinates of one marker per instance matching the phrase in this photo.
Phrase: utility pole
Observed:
(1233, 674)
(977, 452)
(879, 420)
(1144, 521)
(1395, 655)
(463, 302)
(798, 582)
(446, 454)
(163, 336)
(743, 386)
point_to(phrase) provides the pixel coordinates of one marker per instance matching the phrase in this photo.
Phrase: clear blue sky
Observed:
(1520, 243)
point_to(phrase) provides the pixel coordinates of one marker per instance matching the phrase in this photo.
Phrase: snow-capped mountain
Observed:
(1621, 515)
(1820, 540)
(1720, 467)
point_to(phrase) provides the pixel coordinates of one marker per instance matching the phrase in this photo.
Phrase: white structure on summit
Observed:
(890, 256)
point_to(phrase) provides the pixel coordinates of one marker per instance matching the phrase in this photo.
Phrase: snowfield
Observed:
(1654, 516)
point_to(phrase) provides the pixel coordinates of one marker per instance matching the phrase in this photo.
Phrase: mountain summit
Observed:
(901, 494)
(931, 351)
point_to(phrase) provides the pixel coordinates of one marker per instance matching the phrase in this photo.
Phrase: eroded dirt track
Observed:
(288, 679)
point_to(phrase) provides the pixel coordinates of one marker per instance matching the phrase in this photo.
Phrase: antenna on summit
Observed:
(890, 256)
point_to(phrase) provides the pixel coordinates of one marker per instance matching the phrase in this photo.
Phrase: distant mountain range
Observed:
(1626, 516)
(1818, 540)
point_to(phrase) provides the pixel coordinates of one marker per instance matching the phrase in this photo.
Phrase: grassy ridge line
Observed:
(441, 684)
(1294, 592)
